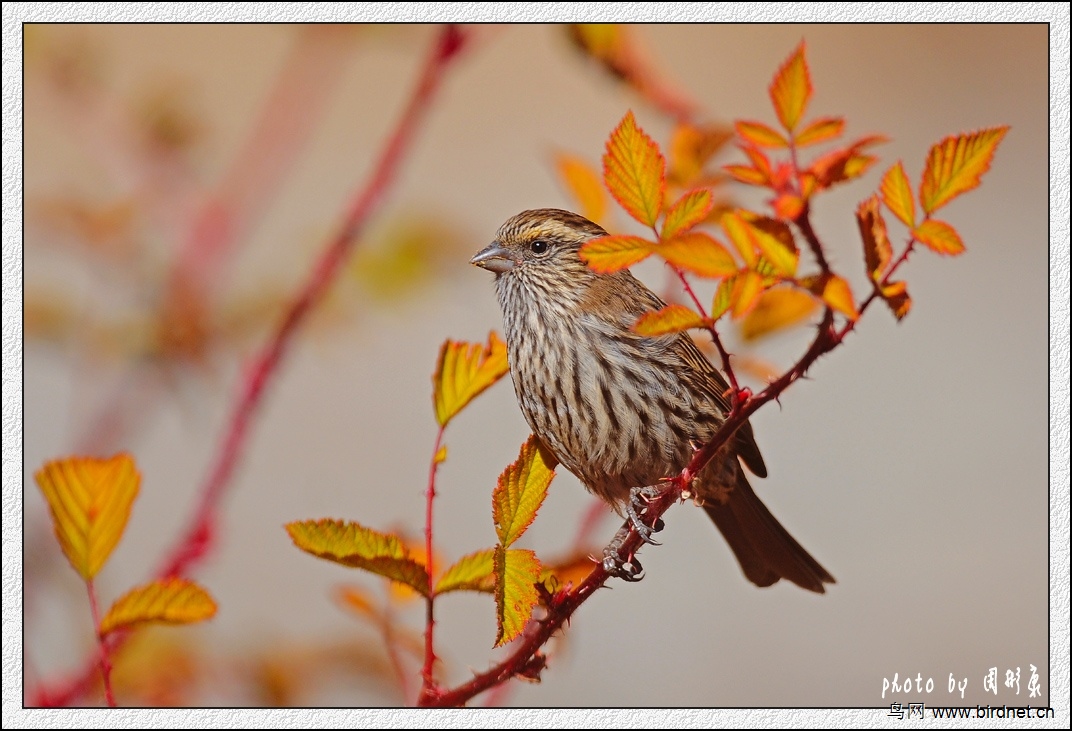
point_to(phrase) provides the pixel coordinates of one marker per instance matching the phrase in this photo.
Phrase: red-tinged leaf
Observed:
(520, 492)
(634, 171)
(723, 300)
(475, 572)
(700, 254)
(169, 601)
(769, 236)
(877, 248)
(670, 319)
(689, 210)
(788, 206)
(840, 166)
(746, 174)
(746, 290)
(897, 195)
(583, 183)
(612, 253)
(777, 309)
(956, 165)
(516, 574)
(791, 89)
(835, 292)
(759, 161)
(568, 571)
(939, 237)
(358, 600)
(821, 130)
(464, 371)
(90, 501)
(354, 545)
(760, 134)
(896, 296)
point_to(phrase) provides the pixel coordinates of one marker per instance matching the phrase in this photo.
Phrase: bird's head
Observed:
(537, 241)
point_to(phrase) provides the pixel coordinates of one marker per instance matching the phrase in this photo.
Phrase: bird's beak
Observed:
(495, 258)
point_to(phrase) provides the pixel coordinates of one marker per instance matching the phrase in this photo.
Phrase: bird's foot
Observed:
(628, 569)
(639, 497)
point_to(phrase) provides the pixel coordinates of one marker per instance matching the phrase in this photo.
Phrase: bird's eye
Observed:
(539, 246)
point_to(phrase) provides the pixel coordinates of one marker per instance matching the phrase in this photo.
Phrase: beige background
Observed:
(913, 465)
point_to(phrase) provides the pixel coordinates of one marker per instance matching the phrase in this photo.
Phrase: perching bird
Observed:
(621, 410)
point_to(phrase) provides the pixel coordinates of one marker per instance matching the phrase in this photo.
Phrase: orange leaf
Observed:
(634, 171)
(746, 174)
(791, 89)
(777, 309)
(670, 319)
(821, 130)
(464, 371)
(689, 210)
(698, 253)
(516, 574)
(760, 134)
(769, 236)
(897, 195)
(877, 248)
(956, 165)
(690, 149)
(354, 545)
(475, 572)
(788, 206)
(171, 601)
(746, 290)
(520, 492)
(835, 292)
(584, 184)
(896, 296)
(939, 236)
(90, 501)
(611, 253)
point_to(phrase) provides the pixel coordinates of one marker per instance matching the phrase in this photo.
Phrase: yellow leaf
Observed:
(956, 165)
(611, 253)
(760, 134)
(897, 195)
(745, 294)
(777, 309)
(768, 236)
(689, 210)
(600, 40)
(699, 253)
(791, 89)
(877, 248)
(939, 236)
(821, 130)
(475, 572)
(352, 544)
(690, 149)
(520, 492)
(170, 601)
(90, 501)
(516, 574)
(571, 570)
(896, 296)
(464, 371)
(720, 305)
(835, 292)
(670, 319)
(584, 184)
(634, 171)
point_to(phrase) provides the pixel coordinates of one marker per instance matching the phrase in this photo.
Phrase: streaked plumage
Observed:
(617, 409)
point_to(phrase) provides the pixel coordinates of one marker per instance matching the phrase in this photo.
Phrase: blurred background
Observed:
(180, 183)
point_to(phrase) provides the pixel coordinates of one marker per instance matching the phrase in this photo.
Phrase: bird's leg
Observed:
(628, 569)
(639, 497)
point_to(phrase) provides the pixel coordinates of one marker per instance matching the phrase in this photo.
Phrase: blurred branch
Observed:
(197, 538)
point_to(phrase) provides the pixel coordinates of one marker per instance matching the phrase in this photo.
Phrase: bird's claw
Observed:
(630, 570)
(639, 497)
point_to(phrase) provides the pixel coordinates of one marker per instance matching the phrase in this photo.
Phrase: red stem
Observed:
(104, 661)
(198, 537)
(428, 684)
(726, 367)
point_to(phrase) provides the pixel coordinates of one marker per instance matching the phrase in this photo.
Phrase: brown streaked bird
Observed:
(620, 410)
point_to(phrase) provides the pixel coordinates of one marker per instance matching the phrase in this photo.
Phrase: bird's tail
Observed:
(763, 547)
